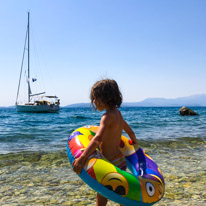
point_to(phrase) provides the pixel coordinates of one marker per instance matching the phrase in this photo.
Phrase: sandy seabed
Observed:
(47, 178)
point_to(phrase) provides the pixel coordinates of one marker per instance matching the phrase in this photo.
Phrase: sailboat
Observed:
(39, 102)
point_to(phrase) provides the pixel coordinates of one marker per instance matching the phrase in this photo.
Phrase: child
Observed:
(105, 95)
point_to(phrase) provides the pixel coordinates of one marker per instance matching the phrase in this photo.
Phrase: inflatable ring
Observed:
(144, 186)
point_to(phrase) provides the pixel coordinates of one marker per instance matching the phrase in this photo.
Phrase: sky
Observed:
(151, 48)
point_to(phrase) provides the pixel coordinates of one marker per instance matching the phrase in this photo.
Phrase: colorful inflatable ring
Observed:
(144, 187)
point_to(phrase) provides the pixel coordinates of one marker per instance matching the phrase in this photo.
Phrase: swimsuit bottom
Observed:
(119, 161)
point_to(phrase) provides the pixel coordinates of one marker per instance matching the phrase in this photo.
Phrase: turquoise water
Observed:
(34, 168)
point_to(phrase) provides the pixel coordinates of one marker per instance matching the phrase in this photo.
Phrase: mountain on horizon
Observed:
(198, 100)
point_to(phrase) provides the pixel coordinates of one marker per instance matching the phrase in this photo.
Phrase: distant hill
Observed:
(4, 107)
(79, 105)
(194, 100)
(198, 100)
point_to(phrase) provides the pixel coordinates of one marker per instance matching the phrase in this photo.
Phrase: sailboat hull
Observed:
(37, 108)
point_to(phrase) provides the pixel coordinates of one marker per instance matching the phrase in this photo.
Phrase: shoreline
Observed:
(181, 142)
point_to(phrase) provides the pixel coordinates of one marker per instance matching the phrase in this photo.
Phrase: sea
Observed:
(34, 167)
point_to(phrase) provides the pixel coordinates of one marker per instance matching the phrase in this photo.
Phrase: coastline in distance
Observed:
(198, 100)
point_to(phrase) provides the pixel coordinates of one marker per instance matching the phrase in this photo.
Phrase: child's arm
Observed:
(79, 163)
(130, 132)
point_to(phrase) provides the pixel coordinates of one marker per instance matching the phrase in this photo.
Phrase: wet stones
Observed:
(184, 111)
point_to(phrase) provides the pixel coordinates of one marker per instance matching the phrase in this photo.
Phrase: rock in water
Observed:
(184, 111)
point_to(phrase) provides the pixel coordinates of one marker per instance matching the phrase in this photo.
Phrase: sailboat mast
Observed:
(29, 90)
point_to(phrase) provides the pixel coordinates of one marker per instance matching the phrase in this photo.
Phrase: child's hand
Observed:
(78, 164)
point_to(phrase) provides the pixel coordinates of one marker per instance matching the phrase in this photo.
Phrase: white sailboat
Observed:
(38, 103)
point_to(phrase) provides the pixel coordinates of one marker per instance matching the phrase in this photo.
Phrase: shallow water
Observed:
(34, 167)
(44, 178)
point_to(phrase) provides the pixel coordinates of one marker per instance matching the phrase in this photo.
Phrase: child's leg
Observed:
(101, 200)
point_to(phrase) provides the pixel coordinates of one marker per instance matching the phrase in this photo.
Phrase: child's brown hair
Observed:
(107, 92)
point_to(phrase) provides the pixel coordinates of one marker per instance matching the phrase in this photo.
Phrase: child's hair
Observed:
(107, 92)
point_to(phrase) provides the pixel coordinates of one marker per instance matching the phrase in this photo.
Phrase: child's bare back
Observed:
(113, 124)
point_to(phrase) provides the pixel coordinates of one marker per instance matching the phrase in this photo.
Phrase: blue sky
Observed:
(151, 48)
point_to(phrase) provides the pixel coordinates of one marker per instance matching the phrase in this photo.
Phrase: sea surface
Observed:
(34, 167)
